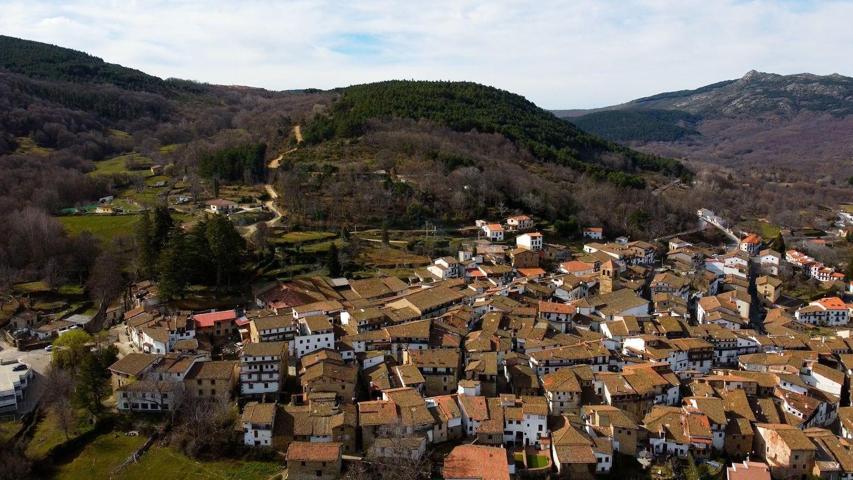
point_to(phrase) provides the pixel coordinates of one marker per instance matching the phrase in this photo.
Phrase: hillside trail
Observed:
(270, 204)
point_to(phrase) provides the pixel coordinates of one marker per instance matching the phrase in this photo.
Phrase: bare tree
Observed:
(57, 398)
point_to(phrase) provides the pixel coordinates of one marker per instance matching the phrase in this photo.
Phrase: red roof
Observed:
(752, 239)
(832, 303)
(203, 320)
(531, 272)
(576, 266)
(593, 229)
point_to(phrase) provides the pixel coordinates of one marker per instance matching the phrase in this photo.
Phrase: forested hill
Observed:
(465, 106)
(50, 62)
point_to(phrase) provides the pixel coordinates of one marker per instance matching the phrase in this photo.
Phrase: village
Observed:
(513, 357)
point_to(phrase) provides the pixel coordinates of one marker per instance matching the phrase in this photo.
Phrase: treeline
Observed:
(639, 125)
(465, 106)
(41, 60)
(209, 253)
(237, 163)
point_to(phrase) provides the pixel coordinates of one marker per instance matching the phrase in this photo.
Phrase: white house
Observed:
(751, 244)
(258, 421)
(519, 223)
(829, 311)
(530, 241)
(263, 368)
(315, 333)
(593, 233)
(494, 232)
(221, 206)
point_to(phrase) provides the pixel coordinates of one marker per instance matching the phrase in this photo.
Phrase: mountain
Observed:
(799, 121)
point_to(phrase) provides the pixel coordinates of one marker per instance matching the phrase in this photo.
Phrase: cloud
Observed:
(560, 54)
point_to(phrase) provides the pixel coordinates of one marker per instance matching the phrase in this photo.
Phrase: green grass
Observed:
(100, 457)
(322, 246)
(49, 305)
(167, 149)
(70, 289)
(163, 462)
(118, 165)
(48, 434)
(537, 461)
(8, 430)
(31, 287)
(118, 133)
(158, 178)
(768, 231)
(28, 146)
(302, 237)
(104, 227)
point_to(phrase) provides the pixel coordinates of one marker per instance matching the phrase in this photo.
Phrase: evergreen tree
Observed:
(386, 241)
(226, 246)
(146, 255)
(778, 243)
(92, 379)
(333, 263)
(163, 224)
(174, 274)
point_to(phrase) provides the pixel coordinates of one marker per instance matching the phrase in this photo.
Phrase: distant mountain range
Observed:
(761, 118)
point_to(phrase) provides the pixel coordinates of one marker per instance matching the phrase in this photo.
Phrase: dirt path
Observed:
(297, 131)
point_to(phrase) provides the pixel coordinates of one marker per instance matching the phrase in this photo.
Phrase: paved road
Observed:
(39, 362)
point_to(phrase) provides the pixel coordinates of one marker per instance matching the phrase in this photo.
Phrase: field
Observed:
(768, 231)
(164, 462)
(103, 227)
(49, 434)
(100, 458)
(119, 165)
(303, 237)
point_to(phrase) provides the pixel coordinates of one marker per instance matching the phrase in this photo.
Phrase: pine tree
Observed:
(146, 255)
(333, 263)
(163, 224)
(172, 266)
(226, 246)
(385, 238)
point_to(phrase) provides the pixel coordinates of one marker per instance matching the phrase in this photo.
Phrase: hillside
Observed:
(799, 122)
(463, 107)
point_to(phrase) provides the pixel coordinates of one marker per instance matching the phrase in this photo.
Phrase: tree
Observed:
(333, 262)
(105, 280)
(163, 224)
(385, 240)
(204, 427)
(146, 254)
(70, 348)
(172, 266)
(92, 379)
(778, 243)
(261, 237)
(59, 387)
(226, 247)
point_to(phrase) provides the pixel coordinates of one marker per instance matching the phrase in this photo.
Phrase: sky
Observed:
(559, 54)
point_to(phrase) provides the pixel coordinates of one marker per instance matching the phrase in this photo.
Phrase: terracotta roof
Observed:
(476, 462)
(313, 452)
(205, 320)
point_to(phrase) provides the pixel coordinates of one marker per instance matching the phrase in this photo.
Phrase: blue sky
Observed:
(559, 54)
